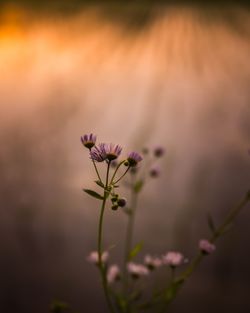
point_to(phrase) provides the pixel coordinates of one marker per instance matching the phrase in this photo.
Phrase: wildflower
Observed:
(88, 140)
(113, 273)
(112, 151)
(206, 247)
(154, 171)
(152, 262)
(173, 259)
(93, 257)
(133, 158)
(137, 270)
(159, 151)
(98, 153)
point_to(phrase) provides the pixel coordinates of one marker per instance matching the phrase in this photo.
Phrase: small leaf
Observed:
(93, 194)
(133, 253)
(138, 186)
(99, 183)
(211, 223)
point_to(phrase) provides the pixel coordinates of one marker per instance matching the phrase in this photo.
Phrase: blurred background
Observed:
(137, 73)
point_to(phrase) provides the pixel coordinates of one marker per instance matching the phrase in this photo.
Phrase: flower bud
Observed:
(114, 207)
(121, 202)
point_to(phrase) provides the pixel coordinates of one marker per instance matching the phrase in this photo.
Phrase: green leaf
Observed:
(210, 222)
(133, 253)
(93, 194)
(138, 186)
(99, 183)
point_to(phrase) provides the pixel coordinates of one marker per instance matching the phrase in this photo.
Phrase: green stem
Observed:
(129, 235)
(100, 249)
(122, 175)
(232, 214)
(117, 168)
(98, 175)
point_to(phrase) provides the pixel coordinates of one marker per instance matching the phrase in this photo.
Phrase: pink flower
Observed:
(206, 247)
(152, 262)
(113, 273)
(137, 270)
(94, 258)
(173, 259)
(154, 171)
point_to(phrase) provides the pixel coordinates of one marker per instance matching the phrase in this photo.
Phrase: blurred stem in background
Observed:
(171, 291)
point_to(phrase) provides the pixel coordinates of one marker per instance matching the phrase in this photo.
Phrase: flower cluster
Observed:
(108, 151)
(124, 297)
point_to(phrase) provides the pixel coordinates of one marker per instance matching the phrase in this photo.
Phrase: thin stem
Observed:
(117, 168)
(217, 233)
(99, 243)
(98, 175)
(122, 175)
(129, 234)
(232, 214)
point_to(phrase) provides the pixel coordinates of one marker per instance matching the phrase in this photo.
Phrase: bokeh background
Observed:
(139, 74)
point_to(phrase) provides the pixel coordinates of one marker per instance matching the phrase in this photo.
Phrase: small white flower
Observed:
(113, 273)
(94, 258)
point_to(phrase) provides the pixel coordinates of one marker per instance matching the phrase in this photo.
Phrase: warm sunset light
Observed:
(169, 79)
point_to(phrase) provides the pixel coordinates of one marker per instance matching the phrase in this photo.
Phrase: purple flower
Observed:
(98, 153)
(154, 171)
(159, 151)
(113, 273)
(173, 259)
(88, 140)
(206, 247)
(112, 151)
(133, 158)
